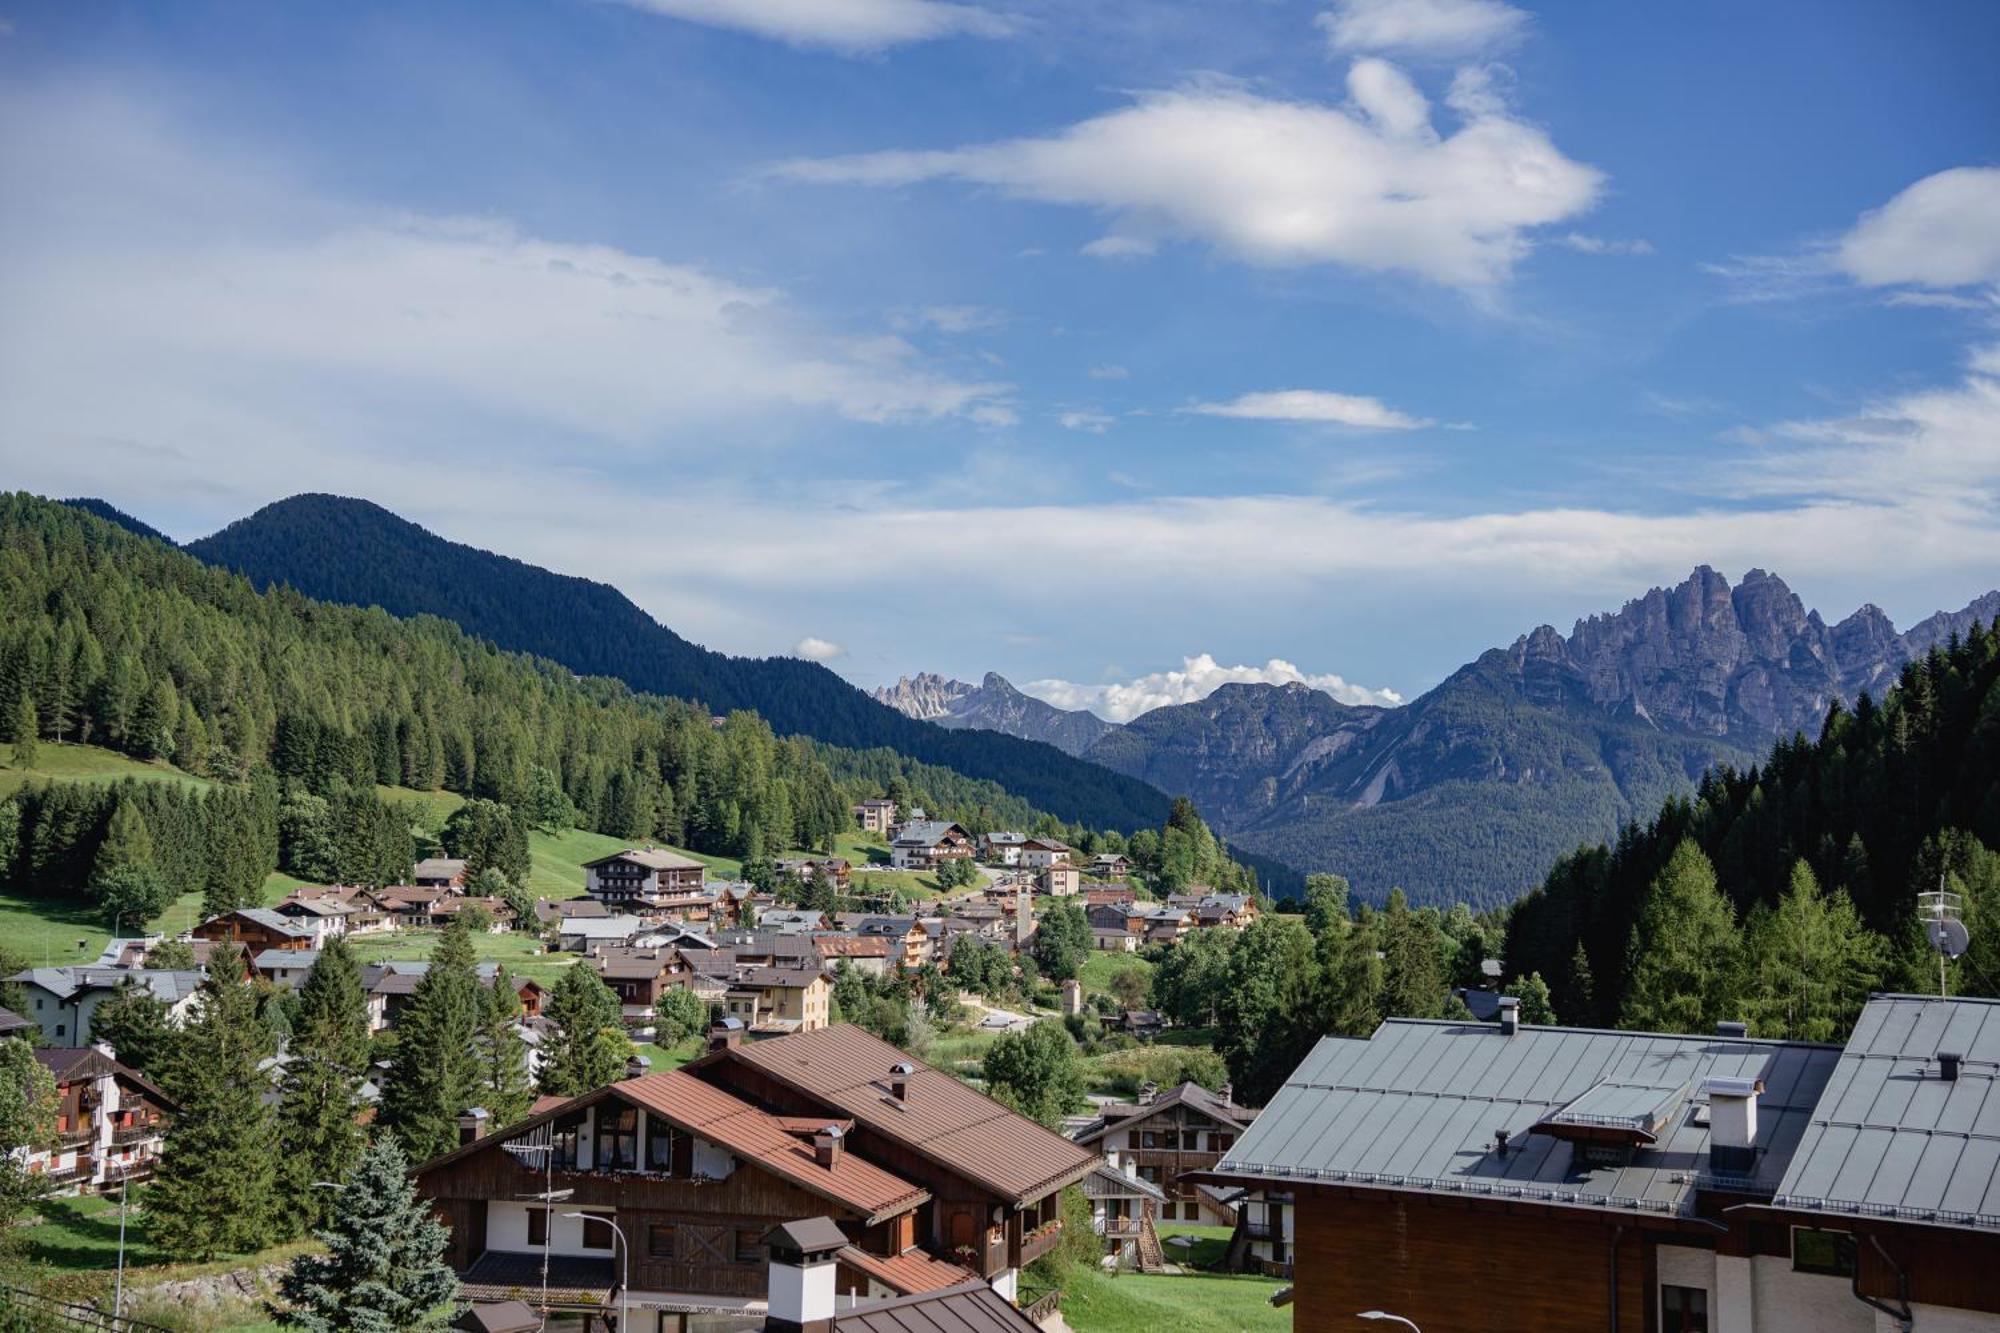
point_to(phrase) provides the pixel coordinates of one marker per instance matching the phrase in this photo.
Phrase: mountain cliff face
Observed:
(1472, 790)
(994, 705)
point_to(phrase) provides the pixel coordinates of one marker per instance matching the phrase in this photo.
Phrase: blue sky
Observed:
(1071, 340)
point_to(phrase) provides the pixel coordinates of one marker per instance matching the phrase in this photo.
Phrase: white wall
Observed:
(1939, 1319)
(507, 1229)
(1788, 1302)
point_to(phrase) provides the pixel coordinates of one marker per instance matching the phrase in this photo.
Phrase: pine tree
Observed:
(134, 1023)
(1811, 962)
(26, 729)
(213, 1191)
(319, 1102)
(124, 877)
(504, 1088)
(27, 1120)
(384, 1269)
(1415, 980)
(588, 1048)
(1685, 952)
(434, 1075)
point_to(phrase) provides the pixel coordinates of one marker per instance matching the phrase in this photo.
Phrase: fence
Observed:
(23, 1311)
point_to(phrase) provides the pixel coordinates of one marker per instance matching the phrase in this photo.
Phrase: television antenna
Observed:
(1943, 927)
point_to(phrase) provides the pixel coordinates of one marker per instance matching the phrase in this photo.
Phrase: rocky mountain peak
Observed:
(926, 696)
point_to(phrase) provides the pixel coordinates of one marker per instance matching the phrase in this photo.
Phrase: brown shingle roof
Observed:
(909, 1273)
(954, 1125)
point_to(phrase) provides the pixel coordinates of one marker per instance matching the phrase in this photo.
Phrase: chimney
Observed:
(826, 1147)
(725, 1033)
(1226, 1090)
(472, 1125)
(899, 1081)
(801, 1275)
(1732, 1124)
(1948, 1062)
(1500, 1143)
(1147, 1092)
(1510, 1015)
(1726, 1028)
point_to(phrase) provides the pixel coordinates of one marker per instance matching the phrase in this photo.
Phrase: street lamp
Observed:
(124, 1189)
(1384, 1314)
(625, 1277)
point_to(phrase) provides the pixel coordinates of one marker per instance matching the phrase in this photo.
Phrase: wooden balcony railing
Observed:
(1039, 1242)
(1042, 1306)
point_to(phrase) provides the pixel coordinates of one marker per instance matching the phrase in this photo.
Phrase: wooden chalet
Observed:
(256, 929)
(994, 1178)
(692, 1174)
(110, 1122)
(927, 844)
(647, 877)
(1572, 1179)
(439, 872)
(1164, 1135)
(640, 976)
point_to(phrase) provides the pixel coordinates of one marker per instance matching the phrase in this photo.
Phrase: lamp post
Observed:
(124, 1190)
(1384, 1314)
(625, 1275)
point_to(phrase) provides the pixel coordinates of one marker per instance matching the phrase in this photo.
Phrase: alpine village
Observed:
(509, 822)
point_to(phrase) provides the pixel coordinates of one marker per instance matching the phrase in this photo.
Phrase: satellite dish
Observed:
(1947, 936)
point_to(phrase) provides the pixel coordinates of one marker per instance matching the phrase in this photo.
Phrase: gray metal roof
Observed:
(1416, 1106)
(1892, 1138)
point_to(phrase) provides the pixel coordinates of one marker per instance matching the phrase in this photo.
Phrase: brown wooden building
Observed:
(647, 877)
(257, 929)
(1464, 1175)
(1165, 1135)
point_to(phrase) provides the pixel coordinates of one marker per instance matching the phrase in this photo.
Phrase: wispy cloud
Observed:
(1313, 405)
(851, 27)
(1371, 186)
(1199, 676)
(1600, 245)
(1093, 422)
(1109, 373)
(948, 318)
(1433, 28)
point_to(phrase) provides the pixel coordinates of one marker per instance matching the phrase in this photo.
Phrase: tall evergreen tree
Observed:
(213, 1191)
(1414, 984)
(1810, 962)
(588, 1048)
(1685, 952)
(319, 1092)
(124, 878)
(134, 1023)
(384, 1269)
(504, 1087)
(434, 1073)
(26, 729)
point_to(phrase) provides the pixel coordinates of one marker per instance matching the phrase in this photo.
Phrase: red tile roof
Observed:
(908, 1273)
(847, 1069)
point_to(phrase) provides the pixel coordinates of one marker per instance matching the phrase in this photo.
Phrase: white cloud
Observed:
(232, 292)
(1109, 373)
(1317, 405)
(1096, 423)
(949, 318)
(1199, 677)
(853, 27)
(1435, 28)
(1280, 183)
(1120, 247)
(1599, 245)
(1944, 231)
(817, 650)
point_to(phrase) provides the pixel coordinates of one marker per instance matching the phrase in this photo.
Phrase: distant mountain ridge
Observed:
(1473, 789)
(994, 705)
(344, 550)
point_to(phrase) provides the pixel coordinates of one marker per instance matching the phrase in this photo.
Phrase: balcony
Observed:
(128, 1134)
(1039, 1242)
(1120, 1228)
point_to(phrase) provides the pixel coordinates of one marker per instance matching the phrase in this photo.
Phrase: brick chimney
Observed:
(472, 1126)
(827, 1146)
(899, 1080)
(725, 1033)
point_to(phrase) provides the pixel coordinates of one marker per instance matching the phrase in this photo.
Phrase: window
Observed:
(1221, 1142)
(748, 1251)
(538, 1226)
(618, 1138)
(564, 1140)
(660, 1240)
(1683, 1310)
(597, 1233)
(1827, 1252)
(659, 1147)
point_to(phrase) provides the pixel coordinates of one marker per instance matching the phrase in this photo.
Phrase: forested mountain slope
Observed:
(299, 708)
(354, 552)
(1888, 802)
